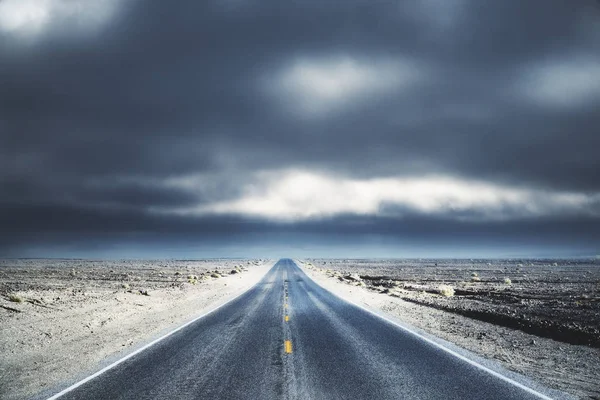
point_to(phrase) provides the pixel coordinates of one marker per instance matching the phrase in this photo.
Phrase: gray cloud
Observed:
(101, 122)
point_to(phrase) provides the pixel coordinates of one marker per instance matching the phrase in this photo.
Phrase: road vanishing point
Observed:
(288, 338)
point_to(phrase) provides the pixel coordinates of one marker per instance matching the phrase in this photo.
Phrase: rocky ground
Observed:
(59, 318)
(537, 317)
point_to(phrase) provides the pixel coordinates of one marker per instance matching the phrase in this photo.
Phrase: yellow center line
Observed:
(287, 318)
(288, 346)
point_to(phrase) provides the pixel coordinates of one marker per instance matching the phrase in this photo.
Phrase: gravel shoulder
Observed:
(60, 320)
(554, 343)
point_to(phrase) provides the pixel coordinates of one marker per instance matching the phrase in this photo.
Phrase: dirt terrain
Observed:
(61, 318)
(537, 317)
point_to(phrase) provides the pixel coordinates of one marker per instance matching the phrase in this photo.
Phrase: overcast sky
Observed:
(350, 128)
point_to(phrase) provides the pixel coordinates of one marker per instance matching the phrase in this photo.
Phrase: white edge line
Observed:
(440, 346)
(152, 343)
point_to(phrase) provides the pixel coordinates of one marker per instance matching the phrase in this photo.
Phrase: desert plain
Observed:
(536, 317)
(61, 320)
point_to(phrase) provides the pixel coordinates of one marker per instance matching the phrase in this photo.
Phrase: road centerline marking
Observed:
(288, 346)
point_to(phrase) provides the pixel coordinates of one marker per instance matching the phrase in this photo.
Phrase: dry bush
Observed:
(15, 299)
(446, 290)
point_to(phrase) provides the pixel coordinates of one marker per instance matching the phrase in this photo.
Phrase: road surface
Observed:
(288, 338)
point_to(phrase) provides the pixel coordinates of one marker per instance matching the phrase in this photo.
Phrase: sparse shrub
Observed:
(193, 281)
(507, 281)
(126, 286)
(215, 275)
(446, 290)
(192, 277)
(475, 279)
(474, 274)
(15, 299)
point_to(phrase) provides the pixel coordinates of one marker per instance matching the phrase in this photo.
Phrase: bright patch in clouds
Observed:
(301, 195)
(30, 18)
(322, 85)
(569, 83)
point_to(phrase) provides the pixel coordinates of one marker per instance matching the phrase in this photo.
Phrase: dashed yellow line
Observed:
(287, 343)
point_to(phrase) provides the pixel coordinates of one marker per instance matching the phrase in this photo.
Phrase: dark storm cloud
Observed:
(41, 230)
(193, 89)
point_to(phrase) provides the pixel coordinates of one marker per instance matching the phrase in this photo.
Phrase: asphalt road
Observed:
(326, 348)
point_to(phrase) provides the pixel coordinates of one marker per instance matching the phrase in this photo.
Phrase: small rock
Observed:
(353, 277)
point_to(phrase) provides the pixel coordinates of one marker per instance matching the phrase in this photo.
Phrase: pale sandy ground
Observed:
(77, 315)
(574, 369)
